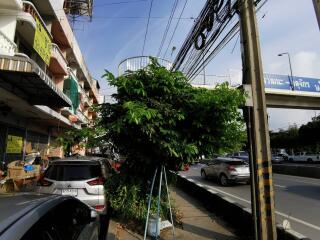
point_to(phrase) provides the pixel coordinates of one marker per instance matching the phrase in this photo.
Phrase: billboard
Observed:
(283, 82)
(14, 144)
(42, 42)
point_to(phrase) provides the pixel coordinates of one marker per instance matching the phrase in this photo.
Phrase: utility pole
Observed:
(316, 4)
(262, 195)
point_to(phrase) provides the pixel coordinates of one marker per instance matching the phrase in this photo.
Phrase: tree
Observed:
(159, 118)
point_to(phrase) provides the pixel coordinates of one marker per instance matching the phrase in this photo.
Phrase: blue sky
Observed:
(117, 32)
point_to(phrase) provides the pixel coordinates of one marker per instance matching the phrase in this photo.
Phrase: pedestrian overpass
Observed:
(282, 92)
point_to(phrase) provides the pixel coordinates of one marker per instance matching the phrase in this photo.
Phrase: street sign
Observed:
(282, 82)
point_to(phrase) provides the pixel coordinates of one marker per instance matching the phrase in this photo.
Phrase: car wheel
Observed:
(223, 179)
(309, 160)
(204, 175)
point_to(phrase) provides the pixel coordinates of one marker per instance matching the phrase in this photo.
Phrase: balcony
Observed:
(58, 63)
(11, 5)
(81, 117)
(7, 47)
(23, 77)
(85, 99)
(26, 23)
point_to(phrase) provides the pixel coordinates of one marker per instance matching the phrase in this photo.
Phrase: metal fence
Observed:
(136, 63)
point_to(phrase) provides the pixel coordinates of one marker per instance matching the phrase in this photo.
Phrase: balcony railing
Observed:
(32, 10)
(82, 117)
(136, 63)
(7, 47)
(56, 52)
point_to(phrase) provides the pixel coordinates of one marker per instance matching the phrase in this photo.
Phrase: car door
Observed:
(69, 220)
(213, 168)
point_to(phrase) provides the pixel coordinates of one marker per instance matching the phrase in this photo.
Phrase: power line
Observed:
(117, 3)
(145, 36)
(173, 10)
(175, 29)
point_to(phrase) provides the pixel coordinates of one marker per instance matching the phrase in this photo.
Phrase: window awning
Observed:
(23, 77)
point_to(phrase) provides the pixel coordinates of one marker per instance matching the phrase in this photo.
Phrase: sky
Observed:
(117, 32)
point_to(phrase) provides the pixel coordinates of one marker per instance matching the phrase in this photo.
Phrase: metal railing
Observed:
(30, 8)
(56, 49)
(7, 47)
(82, 117)
(140, 62)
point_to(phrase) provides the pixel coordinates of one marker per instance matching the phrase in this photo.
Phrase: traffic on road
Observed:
(297, 199)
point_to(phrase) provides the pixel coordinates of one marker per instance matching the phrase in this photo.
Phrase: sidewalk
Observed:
(197, 223)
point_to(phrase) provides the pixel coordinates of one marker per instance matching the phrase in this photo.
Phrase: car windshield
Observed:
(243, 154)
(72, 172)
(235, 162)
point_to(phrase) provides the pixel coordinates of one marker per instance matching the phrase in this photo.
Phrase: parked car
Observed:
(227, 170)
(29, 216)
(81, 177)
(277, 158)
(285, 156)
(304, 157)
(240, 155)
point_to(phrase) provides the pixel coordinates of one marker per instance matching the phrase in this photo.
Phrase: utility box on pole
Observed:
(262, 194)
(316, 4)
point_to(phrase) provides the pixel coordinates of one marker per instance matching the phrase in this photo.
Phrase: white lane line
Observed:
(298, 220)
(280, 186)
(277, 212)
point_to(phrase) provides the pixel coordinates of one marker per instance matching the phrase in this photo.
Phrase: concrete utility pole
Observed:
(262, 196)
(316, 4)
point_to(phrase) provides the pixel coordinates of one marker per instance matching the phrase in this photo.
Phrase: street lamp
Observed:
(291, 81)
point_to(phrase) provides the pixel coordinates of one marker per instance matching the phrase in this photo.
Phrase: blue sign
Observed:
(283, 82)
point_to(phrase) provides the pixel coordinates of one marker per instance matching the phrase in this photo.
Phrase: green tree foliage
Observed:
(159, 118)
(305, 138)
(288, 139)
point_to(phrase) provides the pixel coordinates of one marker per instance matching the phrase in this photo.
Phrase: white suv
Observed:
(81, 177)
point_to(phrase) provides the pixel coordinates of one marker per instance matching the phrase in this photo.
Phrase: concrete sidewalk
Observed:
(197, 223)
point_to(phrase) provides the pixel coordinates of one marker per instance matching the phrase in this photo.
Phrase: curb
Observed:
(234, 212)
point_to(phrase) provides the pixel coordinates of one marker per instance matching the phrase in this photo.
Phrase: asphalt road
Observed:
(297, 199)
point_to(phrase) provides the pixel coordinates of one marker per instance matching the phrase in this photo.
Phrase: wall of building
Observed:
(8, 25)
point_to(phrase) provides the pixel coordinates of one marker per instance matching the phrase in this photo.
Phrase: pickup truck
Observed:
(304, 157)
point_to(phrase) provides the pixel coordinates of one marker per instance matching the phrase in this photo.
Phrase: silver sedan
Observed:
(227, 170)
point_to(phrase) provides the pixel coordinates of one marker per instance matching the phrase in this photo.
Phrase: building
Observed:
(45, 86)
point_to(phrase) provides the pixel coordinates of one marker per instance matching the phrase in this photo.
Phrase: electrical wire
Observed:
(191, 61)
(117, 3)
(173, 10)
(145, 36)
(175, 28)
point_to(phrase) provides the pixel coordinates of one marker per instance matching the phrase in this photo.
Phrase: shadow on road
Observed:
(305, 191)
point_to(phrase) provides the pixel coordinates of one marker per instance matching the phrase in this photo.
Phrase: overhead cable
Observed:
(175, 28)
(145, 36)
(173, 10)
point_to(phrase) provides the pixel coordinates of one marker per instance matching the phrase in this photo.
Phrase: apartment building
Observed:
(45, 85)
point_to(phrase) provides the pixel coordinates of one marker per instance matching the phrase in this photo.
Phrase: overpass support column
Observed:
(262, 197)
(316, 4)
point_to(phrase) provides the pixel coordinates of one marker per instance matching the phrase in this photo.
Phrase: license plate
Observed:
(70, 192)
(243, 170)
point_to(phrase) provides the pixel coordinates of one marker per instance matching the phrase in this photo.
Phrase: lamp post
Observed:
(291, 77)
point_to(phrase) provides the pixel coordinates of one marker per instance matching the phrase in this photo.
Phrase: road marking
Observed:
(280, 186)
(277, 212)
(298, 220)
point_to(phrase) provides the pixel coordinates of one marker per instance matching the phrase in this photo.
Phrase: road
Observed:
(297, 199)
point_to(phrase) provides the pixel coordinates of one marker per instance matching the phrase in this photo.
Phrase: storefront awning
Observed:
(23, 77)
